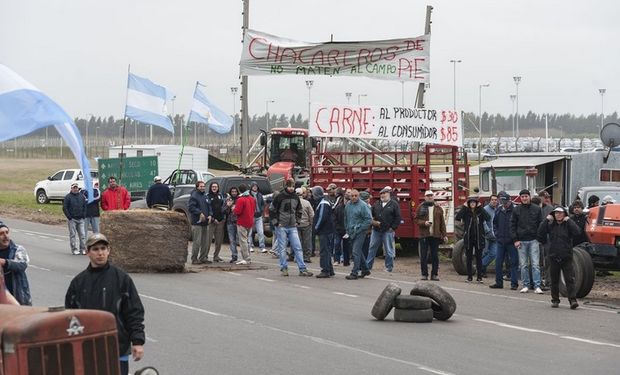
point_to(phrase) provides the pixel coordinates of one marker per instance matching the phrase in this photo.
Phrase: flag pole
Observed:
(184, 133)
(120, 171)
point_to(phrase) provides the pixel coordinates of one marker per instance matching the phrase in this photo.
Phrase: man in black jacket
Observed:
(524, 225)
(581, 220)
(200, 215)
(561, 231)
(159, 195)
(74, 208)
(505, 243)
(385, 220)
(103, 286)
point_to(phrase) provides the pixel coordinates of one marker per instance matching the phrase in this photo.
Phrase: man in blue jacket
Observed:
(159, 195)
(14, 261)
(357, 221)
(74, 208)
(504, 242)
(200, 215)
(325, 228)
(385, 220)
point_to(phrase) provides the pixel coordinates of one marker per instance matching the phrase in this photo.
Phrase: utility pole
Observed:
(233, 91)
(602, 92)
(480, 120)
(454, 62)
(245, 118)
(348, 95)
(309, 84)
(512, 98)
(517, 80)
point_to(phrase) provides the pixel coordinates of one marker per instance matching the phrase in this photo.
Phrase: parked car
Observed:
(56, 186)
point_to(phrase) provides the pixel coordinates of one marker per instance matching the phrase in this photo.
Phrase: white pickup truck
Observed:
(56, 186)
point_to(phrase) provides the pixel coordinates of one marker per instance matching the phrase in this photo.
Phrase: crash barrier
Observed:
(425, 302)
(146, 240)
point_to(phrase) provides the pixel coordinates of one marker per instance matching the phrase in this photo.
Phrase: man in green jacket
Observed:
(357, 221)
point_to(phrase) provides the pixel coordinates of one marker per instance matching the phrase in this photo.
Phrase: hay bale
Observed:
(146, 240)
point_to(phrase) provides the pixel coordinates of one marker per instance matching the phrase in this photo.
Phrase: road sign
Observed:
(138, 173)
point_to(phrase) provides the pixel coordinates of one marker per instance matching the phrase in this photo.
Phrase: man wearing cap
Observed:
(74, 208)
(102, 286)
(14, 261)
(385, 220)
(560, 231)
(524, 224)
(159, 195)
(432, 226)
(115, 197)
(505, 243)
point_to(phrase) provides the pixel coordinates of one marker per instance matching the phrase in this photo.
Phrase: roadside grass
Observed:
(25, 200)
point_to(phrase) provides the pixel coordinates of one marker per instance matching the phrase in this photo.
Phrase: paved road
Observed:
(258, 322)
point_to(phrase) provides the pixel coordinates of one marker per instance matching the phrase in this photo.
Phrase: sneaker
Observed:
(555, 304)
(524, 290)
(76, 252)
(538, 291)
(242, 262)
(336, 263)
(193, 261)
(307, 261)
(435, 278)
(284, 272)
(206, 261)
(574, 304)
(364, 274)
(218, 259)
(514, 287)
(233, 260)
(251, 249)
(351, 277)
(424, 278)
(387, 270)
(305, 273)
(496, 286)
(479, 280)
(469, 279)
(322, 275)
(263, 250)
(83, 252)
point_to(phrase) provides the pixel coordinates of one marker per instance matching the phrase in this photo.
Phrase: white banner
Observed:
(389, 123)
(405, 59)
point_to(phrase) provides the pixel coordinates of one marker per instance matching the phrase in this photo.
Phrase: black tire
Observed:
(588, 272)
(413, 316)
(409, 302)
(385, 302)
(459, 261)
(443, 304)
(42, 197)
(579, 268)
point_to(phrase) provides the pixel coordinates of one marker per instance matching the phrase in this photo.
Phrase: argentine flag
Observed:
(205, 112)
(24, 109)
(146, 102)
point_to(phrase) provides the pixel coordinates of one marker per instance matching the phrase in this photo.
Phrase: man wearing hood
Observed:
(357, 221)
(474, 217)
(217, 224)
(286, 213)
(324, 227)
(385, 220)
(432, 226)
(305, 224)
(560, 230)
(505, 243)
(258, 219)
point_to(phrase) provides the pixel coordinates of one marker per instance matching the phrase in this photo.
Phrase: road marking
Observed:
(59, 240)
(44, 237)
(30, 233)
(263, 279)
(233, 273)
(301, 286)
(318, 340)
(39, 268)
(531, 330)
(344, 294)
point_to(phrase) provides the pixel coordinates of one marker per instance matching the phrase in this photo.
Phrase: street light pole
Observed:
(454, 62)
(359, 96)
(348, 95)
(267, 112)
(517, 80)
(480, 119)
(602, 92)
(309, 84)
(233, 91)
(512, 98)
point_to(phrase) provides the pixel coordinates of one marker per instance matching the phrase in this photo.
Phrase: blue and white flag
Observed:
(146, 102)
(24, 109)
(205, 112)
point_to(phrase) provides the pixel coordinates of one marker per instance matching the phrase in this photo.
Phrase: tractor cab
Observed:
(289, 153)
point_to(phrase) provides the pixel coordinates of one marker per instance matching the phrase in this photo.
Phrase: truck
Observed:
(57, 185)
(311, 161)
(55, 340)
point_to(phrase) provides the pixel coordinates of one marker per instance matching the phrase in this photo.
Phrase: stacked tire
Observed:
(414, 309)
(425, 302)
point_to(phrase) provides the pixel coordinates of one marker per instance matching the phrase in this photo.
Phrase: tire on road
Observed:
(409, 302)
(588, 272)
(443, 304)
(413, 316)
(385, 302)
(459, 261)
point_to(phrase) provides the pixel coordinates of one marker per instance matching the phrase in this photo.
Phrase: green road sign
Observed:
(138, 173)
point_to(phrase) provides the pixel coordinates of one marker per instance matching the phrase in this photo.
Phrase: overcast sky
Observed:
(77, 51)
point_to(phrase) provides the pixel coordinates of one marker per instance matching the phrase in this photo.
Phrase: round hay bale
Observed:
(146, 240)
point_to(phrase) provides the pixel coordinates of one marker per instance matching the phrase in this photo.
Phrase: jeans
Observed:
(529, 252)
(489, 254)
(216, 230)
(429, 244)
(77, 228)
(286, 235)
(338, 248)
(566, 266)
(305, 236)
(506, 251)
(359, 260)
(199, 242)
(258, 227)
(387, 240)
(93, 222)
(325, 242)
(232, 238)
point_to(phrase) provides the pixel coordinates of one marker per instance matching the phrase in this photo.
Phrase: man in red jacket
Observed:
(115, 197)
(244, 209)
